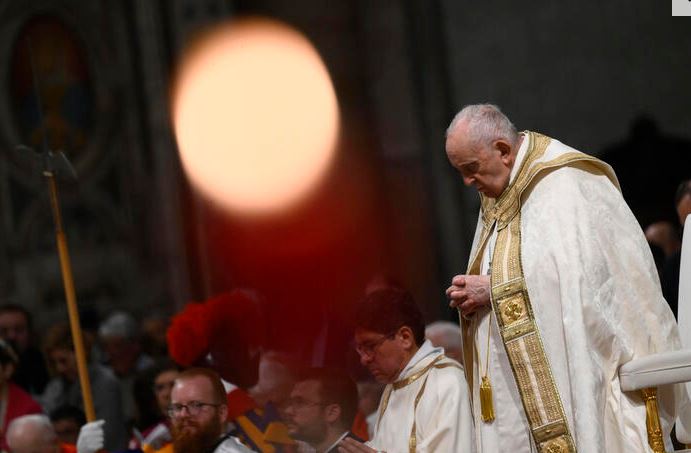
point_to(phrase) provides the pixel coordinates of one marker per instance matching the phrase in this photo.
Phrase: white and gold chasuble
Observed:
(427, 409)
(576, 295)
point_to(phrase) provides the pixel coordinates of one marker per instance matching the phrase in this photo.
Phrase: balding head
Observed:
(447, 335)
(482, 144)
(32, 434)
(481, 124)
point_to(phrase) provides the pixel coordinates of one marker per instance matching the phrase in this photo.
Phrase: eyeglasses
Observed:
(193, 408)
(298, 403)
(370, 348)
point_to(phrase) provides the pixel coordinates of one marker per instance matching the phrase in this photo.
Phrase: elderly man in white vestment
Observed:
(425, 406)
(561, 290)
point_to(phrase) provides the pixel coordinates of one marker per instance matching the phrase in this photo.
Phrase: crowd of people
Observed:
(550, 306)
(150, 403)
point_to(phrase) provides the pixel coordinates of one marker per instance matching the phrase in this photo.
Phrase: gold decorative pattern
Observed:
(521, 374)
(412, 441)
(652, 420)
(559, 445)
(513, 310)
(511, 303)
(548, 431)
(519, 329)
(510, 298)
(417, 375)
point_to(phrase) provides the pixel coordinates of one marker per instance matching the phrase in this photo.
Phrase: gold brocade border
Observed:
(412, 441)
(415, 376)
(502, 210)
(526, 353)
(515, 318)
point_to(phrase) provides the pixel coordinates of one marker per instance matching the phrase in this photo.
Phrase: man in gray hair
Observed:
(447, 335)
(560, 291)
(32, 434)
(120, 339)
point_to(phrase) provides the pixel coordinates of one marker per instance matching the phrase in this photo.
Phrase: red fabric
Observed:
(360, 426)
(18, 403)
(239, 402)
(188, 334)
(228, 327)
(68, 448)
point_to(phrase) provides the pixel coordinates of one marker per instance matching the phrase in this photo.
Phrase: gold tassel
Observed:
(486, 405)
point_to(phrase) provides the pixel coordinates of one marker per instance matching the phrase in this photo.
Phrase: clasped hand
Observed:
(469, 293)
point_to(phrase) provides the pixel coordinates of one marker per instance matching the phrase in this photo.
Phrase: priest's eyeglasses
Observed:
(368, 349)
(193, 408)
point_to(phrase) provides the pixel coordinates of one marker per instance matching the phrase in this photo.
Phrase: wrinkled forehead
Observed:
(459, 146)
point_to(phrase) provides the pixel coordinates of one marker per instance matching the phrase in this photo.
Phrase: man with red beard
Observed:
(198, 412)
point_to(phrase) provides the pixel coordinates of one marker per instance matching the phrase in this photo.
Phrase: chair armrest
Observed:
(656, 369)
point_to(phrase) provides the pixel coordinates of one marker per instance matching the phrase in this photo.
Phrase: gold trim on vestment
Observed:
(412, 441)
(417, 375)
(511, 301)
(511, 304)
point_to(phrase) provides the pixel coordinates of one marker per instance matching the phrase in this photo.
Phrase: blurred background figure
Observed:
(67, 420)
(670, 271)
(322, 408)
(153, 335)
(35, 434)
(665, 235)
(64, 388)
(152, 390)
(15, 400)
(16, 328)
(225, 333)
(277, 375)
(630, 159)
(369, 394)
(682, 200)
(446, 334)
(120, 339)
(664, 241)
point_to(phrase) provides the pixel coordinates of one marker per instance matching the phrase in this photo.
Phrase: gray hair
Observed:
(38, 424)
(486, 123)
(447, 331)
(120, 324)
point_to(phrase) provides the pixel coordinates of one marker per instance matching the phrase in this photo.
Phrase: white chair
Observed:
(647, 373)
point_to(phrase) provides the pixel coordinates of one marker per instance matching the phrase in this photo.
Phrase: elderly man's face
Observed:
(487, 169)
(33, 440)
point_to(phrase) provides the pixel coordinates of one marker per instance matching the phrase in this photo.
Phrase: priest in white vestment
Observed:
(425, 406)
(561, 290)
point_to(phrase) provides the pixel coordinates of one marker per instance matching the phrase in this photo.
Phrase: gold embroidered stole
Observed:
(511, 302)
(423, 373)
